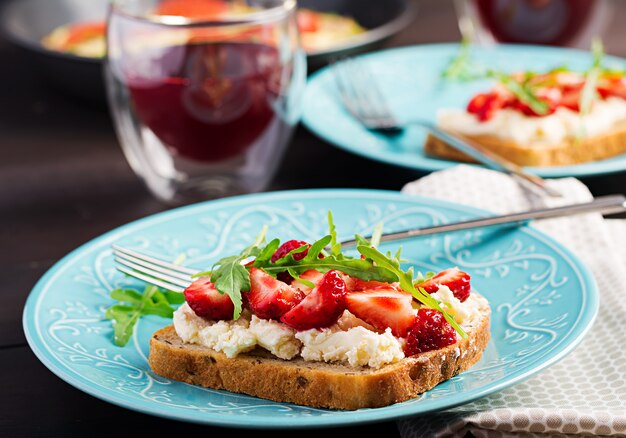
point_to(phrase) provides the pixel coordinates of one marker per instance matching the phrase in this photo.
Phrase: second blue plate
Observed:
(411, 79)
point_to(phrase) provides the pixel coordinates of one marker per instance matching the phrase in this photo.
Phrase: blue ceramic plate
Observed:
(543, 299)
(411, 79)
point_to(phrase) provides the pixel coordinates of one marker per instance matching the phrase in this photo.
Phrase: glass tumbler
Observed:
(570, 23)
(204, 94)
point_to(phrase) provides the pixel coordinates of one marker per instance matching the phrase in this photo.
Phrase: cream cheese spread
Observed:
(347, 341)
(463, 312)
(358, 346)
(562, 125)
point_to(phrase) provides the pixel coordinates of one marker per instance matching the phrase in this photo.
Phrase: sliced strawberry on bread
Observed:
(270, 298)
(322, 307)
(457, 280)
(207, 302)
(311, 275)
(283, 250)
(430, 331)
(356, 284)
(289, 246)
(383, 308)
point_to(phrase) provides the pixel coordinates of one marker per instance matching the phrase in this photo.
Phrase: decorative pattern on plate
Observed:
(524, 275)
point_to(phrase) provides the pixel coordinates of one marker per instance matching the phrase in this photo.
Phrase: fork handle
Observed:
(609, 204)
(489, 158)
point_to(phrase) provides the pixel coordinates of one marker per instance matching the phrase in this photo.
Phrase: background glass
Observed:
(572, 23)
(204, 106)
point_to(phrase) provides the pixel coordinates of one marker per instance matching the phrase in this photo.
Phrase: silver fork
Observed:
(176, 278)
(363, 98)
(152, 270)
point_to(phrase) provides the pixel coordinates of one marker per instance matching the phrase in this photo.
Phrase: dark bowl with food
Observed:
(27, 22)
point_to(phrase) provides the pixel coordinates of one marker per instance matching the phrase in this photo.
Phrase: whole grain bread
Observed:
(317, 384)
(598, 147)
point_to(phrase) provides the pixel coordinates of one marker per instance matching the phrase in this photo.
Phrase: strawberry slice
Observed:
(270, 298)
(571, 97)
(311, 275)
(356, 284)
(289, 246)
(612, 88)
(485, 105)
(430, 331)
(322, 307)
(285, 249)
(457, 280)
(207, 302)
(383, 308)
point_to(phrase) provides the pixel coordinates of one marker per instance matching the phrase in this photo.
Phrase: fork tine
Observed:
(139, 257)
(376, 95)
(141, 265)
(157, 274)
(361, 94)
(151, 280)
(346, 90)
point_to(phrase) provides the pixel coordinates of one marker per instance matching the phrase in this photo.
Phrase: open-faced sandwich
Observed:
(555, 118)
(318, 30)
(298, 323)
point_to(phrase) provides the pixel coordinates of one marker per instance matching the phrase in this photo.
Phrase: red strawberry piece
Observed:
(207, 302)
(430, 331)
(285, 249)
(270, 298)
(551, 96)
(320, 308)
(457, 280)
(289, 246)
(612, 88)
(485, 105)
(311, 275)
(356, 284)
(383, 308)
(571, 97)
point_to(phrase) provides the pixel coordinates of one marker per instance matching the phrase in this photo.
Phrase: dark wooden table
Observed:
(64, 181)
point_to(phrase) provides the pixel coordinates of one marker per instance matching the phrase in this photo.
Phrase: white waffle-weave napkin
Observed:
(585, 393)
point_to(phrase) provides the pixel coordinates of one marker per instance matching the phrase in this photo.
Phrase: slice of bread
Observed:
(598, 147)
(317, 384)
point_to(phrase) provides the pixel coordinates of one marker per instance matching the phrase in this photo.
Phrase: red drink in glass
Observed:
(216, 100)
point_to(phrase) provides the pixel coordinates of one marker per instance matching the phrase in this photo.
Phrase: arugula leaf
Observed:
(335, 246)
(406, 282)
(266, 253)
(360, 240)
(355, 267)
(588, 93)
(461, 66)
(522, 90)
(296, 277)
(376, 235)
(125, 316)
(230, 277)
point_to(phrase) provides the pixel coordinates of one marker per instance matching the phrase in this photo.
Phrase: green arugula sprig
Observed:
(354, 267)
(133, 305)
(463, 68)
(589, 93)
(524, 91)
(407, 279)
(231, 276)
